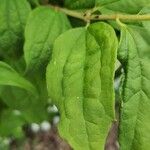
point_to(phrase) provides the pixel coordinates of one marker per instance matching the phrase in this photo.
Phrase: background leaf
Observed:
(134, 53)
(11, 122)
(43, 27)
(8, 76)
(146, 24)
(13, 16)
(128, 6)
(79, 4)
(34, 2)
(104, 2)
(33, 109)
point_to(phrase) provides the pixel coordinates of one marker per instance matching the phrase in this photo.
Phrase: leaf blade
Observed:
(37, 50)
(75, 4)
(15, 127)
(128, 6)
(104, 2)
(8, 76)
(135, 93)
(74, 84)
(13, 16)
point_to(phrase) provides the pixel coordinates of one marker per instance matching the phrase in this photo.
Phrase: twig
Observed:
(86, 17)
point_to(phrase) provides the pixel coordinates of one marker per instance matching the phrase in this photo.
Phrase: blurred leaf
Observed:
(31, 107)
(104, 2)
(8, 76)
(11, 122)
(56, 2)
(39, 81)
(21, 92)
(34, 2)
(4, 143)
(2, 104)
(79, 4)
(13, 16)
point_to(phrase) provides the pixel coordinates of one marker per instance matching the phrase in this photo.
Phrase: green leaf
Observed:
(79, 4)
(8, 76)
(146, 24)
(13, 16)
(134, 53)
(11, 123)
(104, 2)
(33, 109)
(34, 2)
(80, 82)
(128, 6)
(43, 27)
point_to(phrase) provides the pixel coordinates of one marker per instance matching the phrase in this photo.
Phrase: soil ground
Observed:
(52, 141)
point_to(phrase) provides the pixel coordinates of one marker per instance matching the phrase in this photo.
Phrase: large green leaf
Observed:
(128, 6)
(43, 27)
(8, 76)
(134, 53)
(80, 83)
(13, 16)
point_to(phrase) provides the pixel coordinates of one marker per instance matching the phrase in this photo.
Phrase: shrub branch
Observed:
(87, 15)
